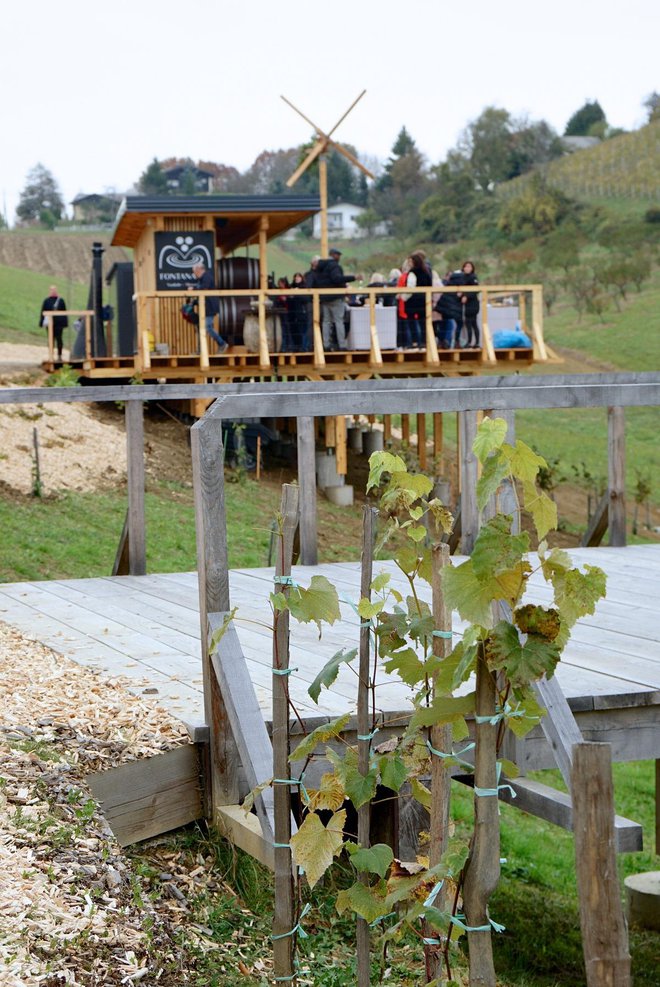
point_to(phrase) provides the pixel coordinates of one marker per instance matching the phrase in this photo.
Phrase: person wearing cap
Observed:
(54, 303)
(330, 274)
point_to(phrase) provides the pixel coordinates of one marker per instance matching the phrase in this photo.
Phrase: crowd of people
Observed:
(454, 314)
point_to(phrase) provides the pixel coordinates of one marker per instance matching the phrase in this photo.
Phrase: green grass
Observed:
(21, 295)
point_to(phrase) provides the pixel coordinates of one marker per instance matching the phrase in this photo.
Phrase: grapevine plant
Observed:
(475, 690)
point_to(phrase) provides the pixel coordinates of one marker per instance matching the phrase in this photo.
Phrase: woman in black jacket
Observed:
(470, 304)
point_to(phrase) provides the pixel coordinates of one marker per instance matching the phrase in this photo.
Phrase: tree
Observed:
(41, 200)
(583, 120)
(536, 211)
(402, 187)
(487, 144)
(152, 181)
(652, 104)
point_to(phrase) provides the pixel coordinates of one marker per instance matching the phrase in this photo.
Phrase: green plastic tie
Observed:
(446, 634)
(368, 736)
(284, 671)
(297, 927)
(455, 756)
(458, 920)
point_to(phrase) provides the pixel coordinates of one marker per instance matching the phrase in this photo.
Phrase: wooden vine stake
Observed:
(365, 726)
(482, 870)
(283, 919)
(441, 741)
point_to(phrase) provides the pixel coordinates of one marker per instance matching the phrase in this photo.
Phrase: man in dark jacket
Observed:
(205, 282)
(329, 274)
(54, 304)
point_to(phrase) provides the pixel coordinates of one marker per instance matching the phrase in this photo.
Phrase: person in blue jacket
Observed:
(204, 282)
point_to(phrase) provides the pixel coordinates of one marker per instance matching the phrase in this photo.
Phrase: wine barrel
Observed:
(251, 333)
(238, 272)
(231, 316)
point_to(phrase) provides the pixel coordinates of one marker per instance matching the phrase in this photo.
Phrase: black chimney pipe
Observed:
(98, 339)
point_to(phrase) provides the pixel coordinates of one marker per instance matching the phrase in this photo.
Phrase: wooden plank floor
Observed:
(146, 628)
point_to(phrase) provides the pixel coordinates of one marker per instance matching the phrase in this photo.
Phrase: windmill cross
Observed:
(323, 142)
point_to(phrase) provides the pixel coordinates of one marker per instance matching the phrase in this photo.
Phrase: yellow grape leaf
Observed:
(330, 795)
(314, 845)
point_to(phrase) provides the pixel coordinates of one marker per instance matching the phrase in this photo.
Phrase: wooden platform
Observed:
(147, 629)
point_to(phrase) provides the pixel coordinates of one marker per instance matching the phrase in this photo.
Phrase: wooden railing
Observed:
(86, 314)
(158, 317)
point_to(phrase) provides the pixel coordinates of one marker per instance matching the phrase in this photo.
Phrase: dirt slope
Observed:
(62, 255)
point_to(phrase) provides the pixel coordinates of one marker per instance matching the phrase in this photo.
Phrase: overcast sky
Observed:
(94, 91)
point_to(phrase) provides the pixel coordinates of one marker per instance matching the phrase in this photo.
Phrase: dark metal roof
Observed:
(221, 203)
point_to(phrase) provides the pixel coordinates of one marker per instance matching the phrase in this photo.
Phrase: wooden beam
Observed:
(340, 445)
(616, 473)
(405, 428)
(244, 716)
(598, 523)
(468, 465)
(213, 574)
(559, 727)
(323, 192)
(437, 435)
(243, 829)
(144, 798)
(421, 442)
(137, 556)
(307, 484)
(604, 932)
(121, 564)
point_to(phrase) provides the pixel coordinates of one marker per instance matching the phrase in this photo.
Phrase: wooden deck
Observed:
(146, 628)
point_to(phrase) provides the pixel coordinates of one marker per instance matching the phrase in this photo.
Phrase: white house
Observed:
(342, 224)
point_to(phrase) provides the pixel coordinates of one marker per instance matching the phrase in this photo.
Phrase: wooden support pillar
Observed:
(137, 557)
(264, 356)
(616, 472)
(213, 574)
(468, 468)
(387, 429)
(330, 432)
(604, 933)
(340, 445)
(437, 436)
(421, 442)
(307, 484)
(323, 195)
(405, 428)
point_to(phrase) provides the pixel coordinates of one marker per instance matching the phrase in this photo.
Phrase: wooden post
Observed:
(330, 432)
(522, 310)
(365, 725)
(51, 335)
(283, 938)
(540, 352)
(431, 344)
(340, 445)
(213, 574)
(323, 195)
(203, 338)
(405, 428)
(319, 352)
(437, 436)
(134, 415)
(616, 472)
(375, 355)
(387, 429)
(440, 741)
(604, 934)
(468, 468)
(421, 442)
(88, 336)
(307, 484)
(482, 870)
(264, 355)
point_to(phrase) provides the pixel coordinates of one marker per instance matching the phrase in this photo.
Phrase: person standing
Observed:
(204, 282)
(470, 302)
(330, 274)
(298, 308)
(54, 303)
(419, 276)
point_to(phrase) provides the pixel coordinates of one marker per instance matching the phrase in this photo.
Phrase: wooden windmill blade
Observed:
(343, 117)
(351, 158)
(318, 148)
(300, 113)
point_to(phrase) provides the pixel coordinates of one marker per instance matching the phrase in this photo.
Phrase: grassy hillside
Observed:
(21, 294)
(624, 167)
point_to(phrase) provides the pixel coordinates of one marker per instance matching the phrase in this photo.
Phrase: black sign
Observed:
(176, 255)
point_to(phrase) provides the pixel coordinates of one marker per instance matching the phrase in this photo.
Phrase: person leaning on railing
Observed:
(205, 282)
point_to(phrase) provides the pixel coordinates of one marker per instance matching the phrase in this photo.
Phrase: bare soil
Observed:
(64, 256)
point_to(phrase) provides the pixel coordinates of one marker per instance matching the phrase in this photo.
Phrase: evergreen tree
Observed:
(41, 200)
(152, 181)
(583, 121)
(402, 187)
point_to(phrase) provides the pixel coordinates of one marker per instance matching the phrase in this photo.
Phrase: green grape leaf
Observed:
(496, 549)
(496, 468)
(315, 845)
(417, 512)
(417, 483)
(329, 672)
(318, 603)
(407, 665)
(278, 601)
(542, 509)
(380, 582)
(443, 709)
(467, 594)
(425, 566)
(521, 663)
(363, 900)
(359, 788)
(407, 559)
(417, 532)
(375, 859)
(525, 463)
(421, 793)
(533, 713)
(319, 736)
(459, 730)
(366, 609)
(456, 668)
(490, 436)
(393, 771)
(383, 462)
(248, 801)
(218, 634)
(509, 768)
